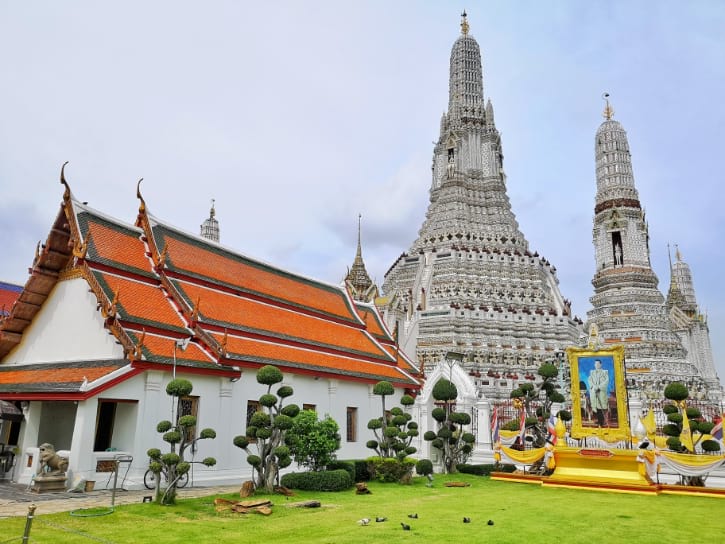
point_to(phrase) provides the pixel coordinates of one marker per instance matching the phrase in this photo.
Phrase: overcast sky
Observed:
(296, 116)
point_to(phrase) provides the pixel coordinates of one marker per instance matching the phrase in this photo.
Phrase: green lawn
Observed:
(522, 513)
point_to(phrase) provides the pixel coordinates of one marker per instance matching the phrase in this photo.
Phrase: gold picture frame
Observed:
(598, 393)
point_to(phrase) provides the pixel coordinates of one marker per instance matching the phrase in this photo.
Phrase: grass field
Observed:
(520, 513)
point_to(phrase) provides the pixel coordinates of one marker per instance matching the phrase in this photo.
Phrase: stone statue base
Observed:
(48, 484)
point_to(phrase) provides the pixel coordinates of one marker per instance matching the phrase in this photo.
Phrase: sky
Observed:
(298, 116)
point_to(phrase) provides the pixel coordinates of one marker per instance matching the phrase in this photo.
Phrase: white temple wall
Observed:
(67, 327)
(222, 406)
(56, 423)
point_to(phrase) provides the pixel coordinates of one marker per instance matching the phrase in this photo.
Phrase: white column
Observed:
(28, 439)
(82, 461)
(483, 440)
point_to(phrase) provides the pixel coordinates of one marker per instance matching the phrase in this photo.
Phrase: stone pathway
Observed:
(15, 499)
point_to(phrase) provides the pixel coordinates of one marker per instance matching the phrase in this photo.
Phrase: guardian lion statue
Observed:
(51, 464)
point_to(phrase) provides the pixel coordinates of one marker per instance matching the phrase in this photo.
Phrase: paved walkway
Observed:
(15, 499)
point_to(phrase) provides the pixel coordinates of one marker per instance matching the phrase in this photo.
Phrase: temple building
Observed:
(689, 323)
(112, 310)
(469, 283)
(357, 279)
(210, 226)
(663, 342)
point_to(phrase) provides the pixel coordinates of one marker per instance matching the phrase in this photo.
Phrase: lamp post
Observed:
(182, 344)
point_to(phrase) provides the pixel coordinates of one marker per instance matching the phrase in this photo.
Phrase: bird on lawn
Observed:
(466, 520)
(379, 519)
(405, 526)
(364, 521)
(413, 516)
(489, 522)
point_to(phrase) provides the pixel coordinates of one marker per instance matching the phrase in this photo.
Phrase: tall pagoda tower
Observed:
(469, 283)
(628, 307)
(689, 323)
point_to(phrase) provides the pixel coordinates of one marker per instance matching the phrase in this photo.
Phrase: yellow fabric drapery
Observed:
(690, 460)
(526, 457)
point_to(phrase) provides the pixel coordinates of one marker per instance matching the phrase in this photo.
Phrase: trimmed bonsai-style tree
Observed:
(686, 428)
(451, 440)
(394, 431)
(312, 441)
(267, 430)
(536, 401)
(178, 435)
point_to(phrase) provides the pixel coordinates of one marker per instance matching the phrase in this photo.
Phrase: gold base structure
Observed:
(613, 470)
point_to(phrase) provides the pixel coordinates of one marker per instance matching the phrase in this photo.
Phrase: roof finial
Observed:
(359, 245)
(669, 257)
(142, 205)
(212, 213)
(678, 255)
(66, 193)
(464, 23)
(608, 111)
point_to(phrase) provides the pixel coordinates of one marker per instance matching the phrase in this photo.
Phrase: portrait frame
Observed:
(613, 406)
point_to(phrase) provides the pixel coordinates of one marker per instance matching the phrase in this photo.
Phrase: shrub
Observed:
(512, 425)
(390, 469)
(710, 445)
(424, 467)
(348, 466)
(676, 391)
(360, 469)
(484, 470)
(322, 480)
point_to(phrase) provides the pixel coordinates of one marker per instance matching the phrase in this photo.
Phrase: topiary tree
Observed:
(686, 428)
(537, 406)
(267, 430)
(454, 444)
(394, 431)
(424, 467)
(178, 435)
(312, 441)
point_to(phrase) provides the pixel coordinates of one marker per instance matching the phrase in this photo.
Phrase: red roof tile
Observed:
(9, 293)
(141, 302)
(113, 244)
(247, 275)
(246, 349)
(244, 314)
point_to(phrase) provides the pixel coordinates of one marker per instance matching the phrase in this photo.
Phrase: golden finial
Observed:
(608, 111)
(142, 205)
(66, 193)
(138, 348)
(464, 23)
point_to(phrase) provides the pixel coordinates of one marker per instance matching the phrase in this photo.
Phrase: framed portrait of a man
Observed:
(599, 393)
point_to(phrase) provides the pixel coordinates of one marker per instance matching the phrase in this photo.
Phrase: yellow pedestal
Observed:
(610, 469)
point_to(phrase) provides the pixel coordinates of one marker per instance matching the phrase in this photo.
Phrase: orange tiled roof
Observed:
(251, 315)
(206, 261)
(9, 293)
(113, 244)
(54, 377)
(161, 349)
(141, 302)
(251, 350)
(371, 318)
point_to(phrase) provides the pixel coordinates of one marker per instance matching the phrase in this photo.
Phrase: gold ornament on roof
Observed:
(608, 111)
(142, 205)
(464, 23)
(66, 193)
